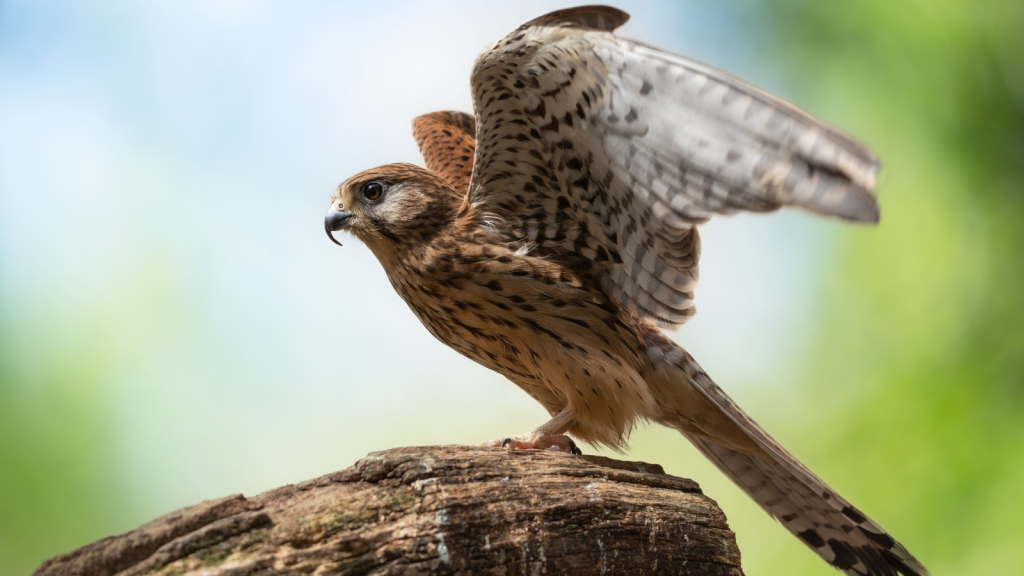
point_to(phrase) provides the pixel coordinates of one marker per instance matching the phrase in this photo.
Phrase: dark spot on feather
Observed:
(811, 538)
(538, 328)
(853, 514)
(579, 323)
(883, 540)
(845, 557)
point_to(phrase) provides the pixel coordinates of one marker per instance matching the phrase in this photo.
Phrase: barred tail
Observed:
(837, 531)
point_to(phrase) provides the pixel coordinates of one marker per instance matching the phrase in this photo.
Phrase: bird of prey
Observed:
(551, 237)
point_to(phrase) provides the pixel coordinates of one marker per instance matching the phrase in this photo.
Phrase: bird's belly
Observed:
(492, 342)
(560, 346)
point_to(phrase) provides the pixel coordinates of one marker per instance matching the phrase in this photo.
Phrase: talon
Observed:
(574, 449)
(506, 442)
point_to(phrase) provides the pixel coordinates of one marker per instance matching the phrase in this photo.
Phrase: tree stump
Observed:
(437, 510)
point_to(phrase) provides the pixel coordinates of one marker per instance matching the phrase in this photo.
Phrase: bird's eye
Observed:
(373, 190)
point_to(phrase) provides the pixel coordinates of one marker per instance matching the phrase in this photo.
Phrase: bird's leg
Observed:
(547, 436)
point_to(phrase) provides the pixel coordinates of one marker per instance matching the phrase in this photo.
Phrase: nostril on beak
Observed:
(335, 220)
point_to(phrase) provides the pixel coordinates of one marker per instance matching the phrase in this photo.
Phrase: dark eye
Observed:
(372, 191)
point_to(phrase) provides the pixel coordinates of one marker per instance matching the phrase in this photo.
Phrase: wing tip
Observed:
(858, 205)
(844, 197)
(857, 212)
(596, 17)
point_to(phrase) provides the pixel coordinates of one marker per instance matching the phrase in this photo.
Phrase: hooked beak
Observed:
(335, 220)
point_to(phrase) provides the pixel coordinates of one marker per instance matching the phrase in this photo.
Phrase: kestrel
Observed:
(550, 237)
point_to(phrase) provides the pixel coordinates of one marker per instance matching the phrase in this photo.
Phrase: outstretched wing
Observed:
(447, 141)
(601, 150)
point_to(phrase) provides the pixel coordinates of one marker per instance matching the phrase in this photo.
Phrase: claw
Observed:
(535, 441)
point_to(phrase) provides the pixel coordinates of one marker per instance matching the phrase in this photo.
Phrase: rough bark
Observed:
(437, 510)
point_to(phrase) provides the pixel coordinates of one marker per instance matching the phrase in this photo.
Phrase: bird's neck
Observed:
(436, 224)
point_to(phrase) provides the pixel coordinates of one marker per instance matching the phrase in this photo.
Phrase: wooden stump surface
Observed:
(437, 510)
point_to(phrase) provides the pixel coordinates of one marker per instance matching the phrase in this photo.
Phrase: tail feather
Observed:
(837, 531)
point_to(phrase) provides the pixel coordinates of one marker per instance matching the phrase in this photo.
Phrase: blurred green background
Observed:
(174, 327)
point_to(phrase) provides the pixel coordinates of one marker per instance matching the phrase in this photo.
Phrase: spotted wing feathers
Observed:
(447, 141)
(595, 147)
(728, 145)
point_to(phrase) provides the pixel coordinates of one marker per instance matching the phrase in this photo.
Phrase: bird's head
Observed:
(392, 207)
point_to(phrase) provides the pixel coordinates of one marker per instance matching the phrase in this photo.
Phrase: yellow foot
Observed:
(536, 441)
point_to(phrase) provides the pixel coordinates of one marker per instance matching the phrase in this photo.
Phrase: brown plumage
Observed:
(556, 256)
(447, 141)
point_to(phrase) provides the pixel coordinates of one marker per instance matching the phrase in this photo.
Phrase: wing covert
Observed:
(605, 151)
